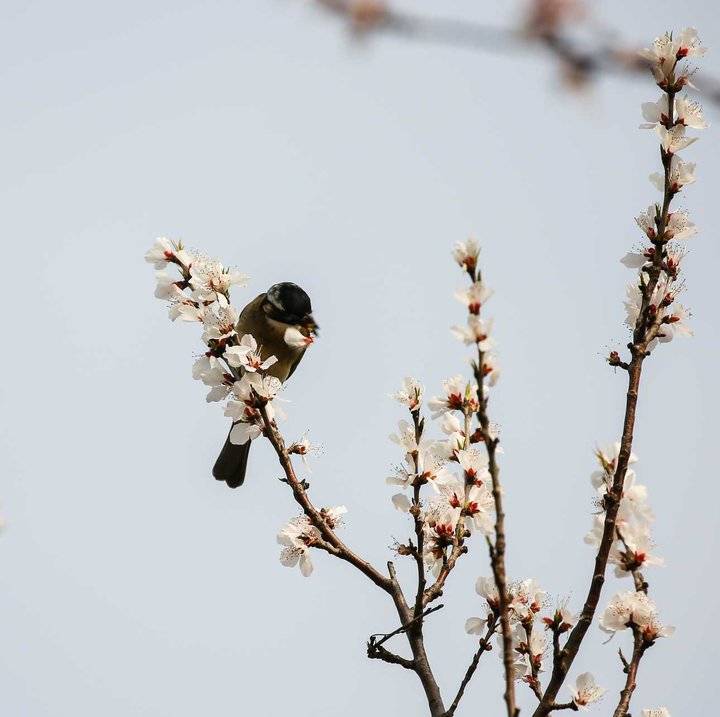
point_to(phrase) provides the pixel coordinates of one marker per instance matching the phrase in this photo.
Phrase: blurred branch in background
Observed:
(554, 27)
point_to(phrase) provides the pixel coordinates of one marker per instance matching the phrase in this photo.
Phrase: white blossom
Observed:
(662, 55)
(401, 502)
(439, 524)
(490, 369)
(164, 251)
(459, 395)
(689, 113)
(424, 461)
(632, 551)
(686, 113)
(242, 407)
(635, 260)
(303, 448)
(674, 139)
(679, 226)
(666, 50)
(186, 309)
(562, 619)
(205, 369)
(688, 44)
(475, 465)
(646, 221)
(405, 437)
(479, 509)
(681, 174)
(474, 296)
(486, 588)
(247, 355)
(466, 254)
(252, 383)
(676, 323)
(410, 394)
(211, 281)
(296, 537)
(167, 288)
(209, 370)
(585, 691)
(475, 625)
(655, 113)
(334, 516)
(242, 432)
(660, 301)
(475, 502)
(636, 608)
(452, 427)
(477, 331)
(219, 322)
(531, 650)
(526, 598)
(607, 459)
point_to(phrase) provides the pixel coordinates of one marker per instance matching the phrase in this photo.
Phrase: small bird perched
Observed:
(267, 318)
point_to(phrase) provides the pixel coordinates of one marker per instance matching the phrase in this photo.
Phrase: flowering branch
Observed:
(545, 28)
(412, 624)
(453, 484)
(483, 369)
(648, 306)
(319, 520)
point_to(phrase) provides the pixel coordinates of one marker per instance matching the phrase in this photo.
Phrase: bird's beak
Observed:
(308, 323)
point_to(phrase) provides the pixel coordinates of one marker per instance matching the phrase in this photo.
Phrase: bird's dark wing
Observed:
(295, 363)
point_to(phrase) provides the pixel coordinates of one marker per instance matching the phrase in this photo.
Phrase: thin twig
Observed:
(631, 670)
(377, 652)
(403, 628)
(484, 646)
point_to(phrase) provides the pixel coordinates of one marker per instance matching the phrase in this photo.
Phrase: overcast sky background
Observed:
(131, 583)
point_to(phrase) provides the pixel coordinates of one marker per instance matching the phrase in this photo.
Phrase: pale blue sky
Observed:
(131, 583)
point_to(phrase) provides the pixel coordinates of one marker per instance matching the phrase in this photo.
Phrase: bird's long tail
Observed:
(232, 463)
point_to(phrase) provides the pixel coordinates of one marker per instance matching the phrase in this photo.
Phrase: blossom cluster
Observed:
(455, 467)
(232, 366)
(635, 610)
(652, 311)
(632, 548)
(455, 470)
(530, 630)
(298, 535)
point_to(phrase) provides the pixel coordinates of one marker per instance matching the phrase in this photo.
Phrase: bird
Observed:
(267, 317)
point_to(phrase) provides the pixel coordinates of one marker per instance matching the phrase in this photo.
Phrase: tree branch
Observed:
(647, 328)
(377, 652)
(337, 547)
(631, 669)
(384, 637)
(496, 550)
(484, 646)
(582, 63)
(412, 628)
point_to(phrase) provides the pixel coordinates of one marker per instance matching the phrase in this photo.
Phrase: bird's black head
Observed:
(288, 303)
